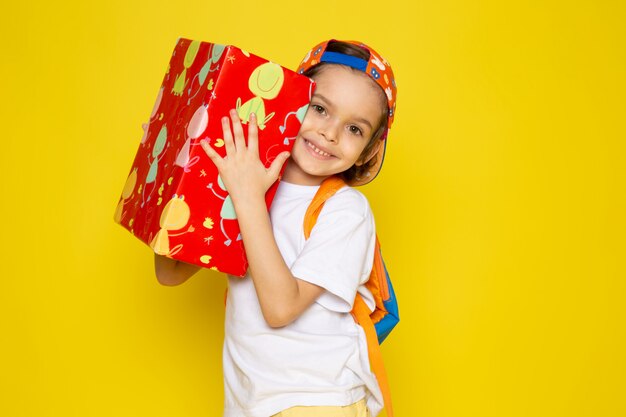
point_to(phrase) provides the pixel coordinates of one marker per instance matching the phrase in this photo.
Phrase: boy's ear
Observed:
(365, 159)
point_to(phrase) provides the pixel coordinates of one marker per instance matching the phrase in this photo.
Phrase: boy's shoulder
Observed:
(349, 192)
(348, 199)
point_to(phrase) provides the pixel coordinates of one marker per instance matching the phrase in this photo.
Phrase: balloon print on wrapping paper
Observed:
(215, 54)
(153, 117)
(181, 79)
(299, 114)
(157, 153)
(127, 192)
(196, 127)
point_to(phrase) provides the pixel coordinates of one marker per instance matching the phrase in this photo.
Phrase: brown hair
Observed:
(357, 171)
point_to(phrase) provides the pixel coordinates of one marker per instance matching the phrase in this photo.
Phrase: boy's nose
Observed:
(329, 131)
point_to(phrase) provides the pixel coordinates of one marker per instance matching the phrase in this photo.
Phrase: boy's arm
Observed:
(171, 272)
(282, 296)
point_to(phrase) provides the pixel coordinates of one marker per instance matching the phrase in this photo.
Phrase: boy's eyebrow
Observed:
(329, 103)
(324, 99)
(364, 121)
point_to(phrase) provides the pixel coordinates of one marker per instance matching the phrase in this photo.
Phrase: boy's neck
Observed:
(293, 175)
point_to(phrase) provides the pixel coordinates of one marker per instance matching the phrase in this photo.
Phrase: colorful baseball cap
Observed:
(377, 68)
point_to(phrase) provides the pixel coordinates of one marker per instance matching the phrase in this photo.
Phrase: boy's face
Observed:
(344, 113)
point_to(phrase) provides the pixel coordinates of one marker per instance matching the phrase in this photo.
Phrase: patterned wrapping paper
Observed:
(173, 199)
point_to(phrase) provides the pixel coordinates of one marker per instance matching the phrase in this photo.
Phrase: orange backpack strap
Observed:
(360, 311)
(328, 188)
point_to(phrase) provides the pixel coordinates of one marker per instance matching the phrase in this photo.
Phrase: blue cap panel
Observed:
(343, 59)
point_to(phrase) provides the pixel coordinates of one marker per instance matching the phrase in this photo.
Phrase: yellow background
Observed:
(500, 206)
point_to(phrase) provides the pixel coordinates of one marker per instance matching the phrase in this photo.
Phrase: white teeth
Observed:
(317, 150)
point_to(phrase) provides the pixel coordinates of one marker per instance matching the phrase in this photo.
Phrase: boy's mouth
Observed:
(317, 151)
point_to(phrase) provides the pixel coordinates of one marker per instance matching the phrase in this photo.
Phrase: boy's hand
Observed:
(242, 172)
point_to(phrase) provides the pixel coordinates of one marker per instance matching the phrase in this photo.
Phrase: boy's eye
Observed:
(317, 108)
(355, 130)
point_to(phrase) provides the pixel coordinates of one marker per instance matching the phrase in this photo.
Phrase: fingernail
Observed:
(253, 115)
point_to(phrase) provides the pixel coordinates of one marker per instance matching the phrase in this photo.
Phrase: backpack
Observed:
(379, 323)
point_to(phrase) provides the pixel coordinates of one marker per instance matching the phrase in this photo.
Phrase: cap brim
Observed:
(375, 169)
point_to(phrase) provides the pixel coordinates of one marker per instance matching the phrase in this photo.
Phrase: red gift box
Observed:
(173, 199)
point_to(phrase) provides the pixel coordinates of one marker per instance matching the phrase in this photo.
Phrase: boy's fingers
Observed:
(253, 135)
(240, 141)
(228, 137)
(277, 164)
(214, 156)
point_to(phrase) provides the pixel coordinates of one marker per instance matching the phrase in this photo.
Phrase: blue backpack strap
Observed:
(387, 323)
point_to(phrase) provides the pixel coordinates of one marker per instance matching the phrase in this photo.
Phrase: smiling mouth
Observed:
(317, 150)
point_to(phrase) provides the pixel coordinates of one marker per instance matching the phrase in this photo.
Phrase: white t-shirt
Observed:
(321, 358)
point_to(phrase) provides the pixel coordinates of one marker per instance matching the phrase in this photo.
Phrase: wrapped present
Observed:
(173, 199)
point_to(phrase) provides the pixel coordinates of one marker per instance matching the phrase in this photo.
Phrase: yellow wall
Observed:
(500, 206)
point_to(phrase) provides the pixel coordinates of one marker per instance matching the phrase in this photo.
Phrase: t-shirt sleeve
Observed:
(339, 253)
